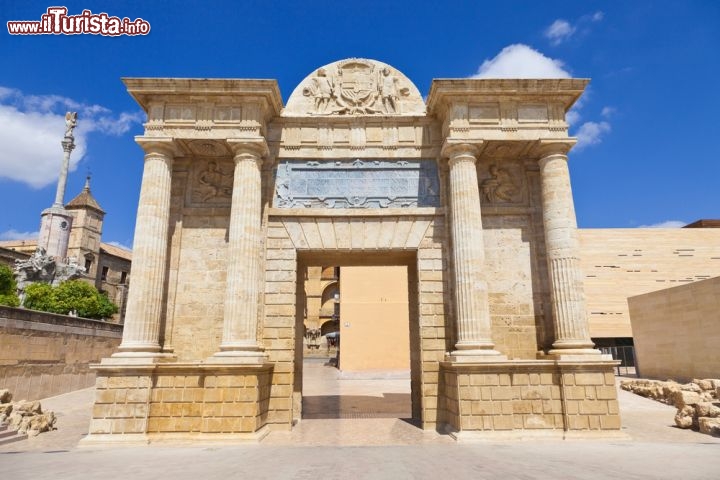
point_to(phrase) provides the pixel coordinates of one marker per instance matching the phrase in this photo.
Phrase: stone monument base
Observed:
(528, 398)
(180, 402)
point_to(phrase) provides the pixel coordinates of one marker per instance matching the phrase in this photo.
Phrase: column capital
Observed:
(162, 145)
(257, 147)
(550, 147)
(455, 149)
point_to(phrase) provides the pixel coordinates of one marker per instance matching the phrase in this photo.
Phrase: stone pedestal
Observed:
(471, 292)
(178, 402)
(55, 226)
(517, 399)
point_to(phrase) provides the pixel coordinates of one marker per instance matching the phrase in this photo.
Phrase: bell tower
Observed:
(84, 241)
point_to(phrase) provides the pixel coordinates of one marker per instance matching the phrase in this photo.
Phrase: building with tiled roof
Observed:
(107, 266)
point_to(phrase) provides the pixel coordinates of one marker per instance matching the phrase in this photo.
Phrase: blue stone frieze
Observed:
(356, 184)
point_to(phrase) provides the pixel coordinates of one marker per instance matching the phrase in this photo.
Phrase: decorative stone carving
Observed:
(322, 89)
(208, 148)
(40, 267)
(355, 87)
(44, 268)
(212, 183)
(500, 186)
(356, 184)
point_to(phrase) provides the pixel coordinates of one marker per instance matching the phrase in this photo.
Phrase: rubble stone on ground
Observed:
(24, 416)
(697, 402)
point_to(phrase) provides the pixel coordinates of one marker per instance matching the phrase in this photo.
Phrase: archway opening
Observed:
(369, 341)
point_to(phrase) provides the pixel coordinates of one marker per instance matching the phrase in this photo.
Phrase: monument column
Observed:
(570, 323)
(471, 292)
(239, 340)
(145, 299)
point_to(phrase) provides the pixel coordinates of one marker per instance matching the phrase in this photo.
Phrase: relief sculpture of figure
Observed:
(213, 182)
(389, 92)
(282, 192)
(499, 187)
(322, 88)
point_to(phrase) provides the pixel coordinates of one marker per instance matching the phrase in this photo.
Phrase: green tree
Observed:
(84, 299)
(39, 296)
(70, 296)
(8, 287)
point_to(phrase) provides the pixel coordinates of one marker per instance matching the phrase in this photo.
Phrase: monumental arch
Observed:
(239, 194)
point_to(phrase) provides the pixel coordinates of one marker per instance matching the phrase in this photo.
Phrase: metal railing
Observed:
(626, 355)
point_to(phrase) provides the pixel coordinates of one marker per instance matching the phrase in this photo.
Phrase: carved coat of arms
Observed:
(357, 87)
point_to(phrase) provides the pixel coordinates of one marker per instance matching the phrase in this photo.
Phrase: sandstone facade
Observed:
(676, 331)
(470, 192)
(619, 263)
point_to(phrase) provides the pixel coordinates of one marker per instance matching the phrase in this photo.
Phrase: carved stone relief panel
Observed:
(356, 184)
(502, 183)
(211, 183)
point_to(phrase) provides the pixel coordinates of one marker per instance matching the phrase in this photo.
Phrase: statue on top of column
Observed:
(70, 123)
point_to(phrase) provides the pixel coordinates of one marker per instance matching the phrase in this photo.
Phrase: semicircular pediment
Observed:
(355, 86)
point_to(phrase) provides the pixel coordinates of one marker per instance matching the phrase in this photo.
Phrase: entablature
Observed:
(206, 108)
(503, 109)
(331, 137)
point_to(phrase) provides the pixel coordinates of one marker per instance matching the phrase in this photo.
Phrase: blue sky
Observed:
(648, 125)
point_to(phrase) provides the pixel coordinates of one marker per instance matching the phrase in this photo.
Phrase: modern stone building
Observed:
(469, 191)
(623, 262)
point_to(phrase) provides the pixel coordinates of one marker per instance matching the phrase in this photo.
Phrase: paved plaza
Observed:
(369, 436)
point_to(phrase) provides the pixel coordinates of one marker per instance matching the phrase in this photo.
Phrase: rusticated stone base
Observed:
(516, 399)
(180, 402)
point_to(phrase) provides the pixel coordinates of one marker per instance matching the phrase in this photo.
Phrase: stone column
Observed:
(145, 299)
(471, 292)
(570, 323)
(239, 341)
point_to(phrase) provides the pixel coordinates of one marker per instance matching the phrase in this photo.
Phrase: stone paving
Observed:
(368, 442)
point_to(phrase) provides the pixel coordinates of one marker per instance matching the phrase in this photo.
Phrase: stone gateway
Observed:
(470, 191)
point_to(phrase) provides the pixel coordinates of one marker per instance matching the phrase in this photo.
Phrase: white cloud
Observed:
(521, 61)
(665, 224)
(33, 126)
(572, 116)
(591, 133)
(559, 31)
(120, 245)
(608, 112)
(13, 234)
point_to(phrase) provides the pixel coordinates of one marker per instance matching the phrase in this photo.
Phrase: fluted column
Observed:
(561, 243)
(471, 291)
(141, 332)
(240, 321)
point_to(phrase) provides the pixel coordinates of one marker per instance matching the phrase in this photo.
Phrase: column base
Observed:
(475, 356)
(241, 357)
(138, 358)
(578, 355)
